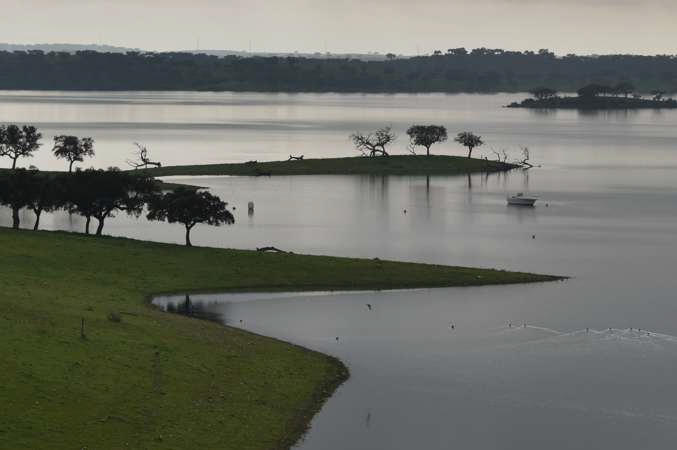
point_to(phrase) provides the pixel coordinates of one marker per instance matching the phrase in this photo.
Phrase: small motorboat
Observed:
(520, 199)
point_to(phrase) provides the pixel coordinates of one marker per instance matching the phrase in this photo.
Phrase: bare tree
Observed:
(500, 157)
(524, 162)
(375, 143)
(143, 158)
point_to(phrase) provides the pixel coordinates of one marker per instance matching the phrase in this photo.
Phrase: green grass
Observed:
(358, 165)
(157, 380)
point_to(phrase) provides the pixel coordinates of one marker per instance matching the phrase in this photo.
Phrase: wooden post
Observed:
(82, 328)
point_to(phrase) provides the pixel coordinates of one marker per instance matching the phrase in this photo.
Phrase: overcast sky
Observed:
(400, 26)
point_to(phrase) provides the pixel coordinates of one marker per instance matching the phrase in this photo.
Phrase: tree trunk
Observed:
(15, 218)
(89, 218)
(427, 151)
(37, 219)
(469, 152)
(70, 167)
(188, 244)
(14, 163)
(99, 227)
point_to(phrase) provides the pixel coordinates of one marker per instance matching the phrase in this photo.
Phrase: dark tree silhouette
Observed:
(189, 207)
(15, 192)
(73, 149)
(470, 140)
(47, 194)
(101, 193)
(18, 142)
(658, 95)
(426, 135)
(81, 198)
(592, 90)
(624, 88)
(543, 93)
(374, 143)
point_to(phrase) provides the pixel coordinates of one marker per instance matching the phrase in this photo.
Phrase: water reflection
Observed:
(186, 307)
(236, 127)
(616, 114)
(564, 381)
(561, 372)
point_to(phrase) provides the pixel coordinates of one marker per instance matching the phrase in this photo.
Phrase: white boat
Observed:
(520, 199)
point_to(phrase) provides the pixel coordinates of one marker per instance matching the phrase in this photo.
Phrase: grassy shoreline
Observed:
(154, 379)
(354, 165)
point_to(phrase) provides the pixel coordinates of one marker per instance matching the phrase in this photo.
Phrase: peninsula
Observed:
(90, 363)
(356, 165)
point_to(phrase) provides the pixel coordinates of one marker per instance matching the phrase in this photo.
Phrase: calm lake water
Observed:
(565, 381)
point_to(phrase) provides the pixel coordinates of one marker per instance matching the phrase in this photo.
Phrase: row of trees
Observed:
(454, 70)
(101, 194)
(624, 89)
(23, 141)
(376, 143)
(97, 194)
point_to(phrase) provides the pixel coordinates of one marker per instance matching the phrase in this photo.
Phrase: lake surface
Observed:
(565, 381)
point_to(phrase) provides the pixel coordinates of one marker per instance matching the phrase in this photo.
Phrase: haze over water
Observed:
(609, 184)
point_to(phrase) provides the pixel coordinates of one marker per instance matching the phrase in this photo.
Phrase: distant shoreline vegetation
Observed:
(481, 70)
(596, 96)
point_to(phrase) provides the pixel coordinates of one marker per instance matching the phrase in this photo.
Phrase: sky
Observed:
(400, 26)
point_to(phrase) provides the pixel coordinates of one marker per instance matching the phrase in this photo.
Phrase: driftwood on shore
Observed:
(270, 249)
(143, 158)
(295, 158)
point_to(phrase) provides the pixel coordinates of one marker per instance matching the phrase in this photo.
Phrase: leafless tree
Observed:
(375, 143)
(412, 148)
(500, 157)
(143, 159)
(524, 162)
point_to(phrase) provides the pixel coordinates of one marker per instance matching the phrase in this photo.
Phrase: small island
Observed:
(597, 96)
(354, 165)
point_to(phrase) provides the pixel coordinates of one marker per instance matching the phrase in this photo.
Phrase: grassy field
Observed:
(392, 165)
(157, 380)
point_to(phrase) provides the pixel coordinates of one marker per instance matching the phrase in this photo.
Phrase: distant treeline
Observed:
(454, 70)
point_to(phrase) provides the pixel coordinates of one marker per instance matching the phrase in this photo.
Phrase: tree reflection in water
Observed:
(192, 309)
